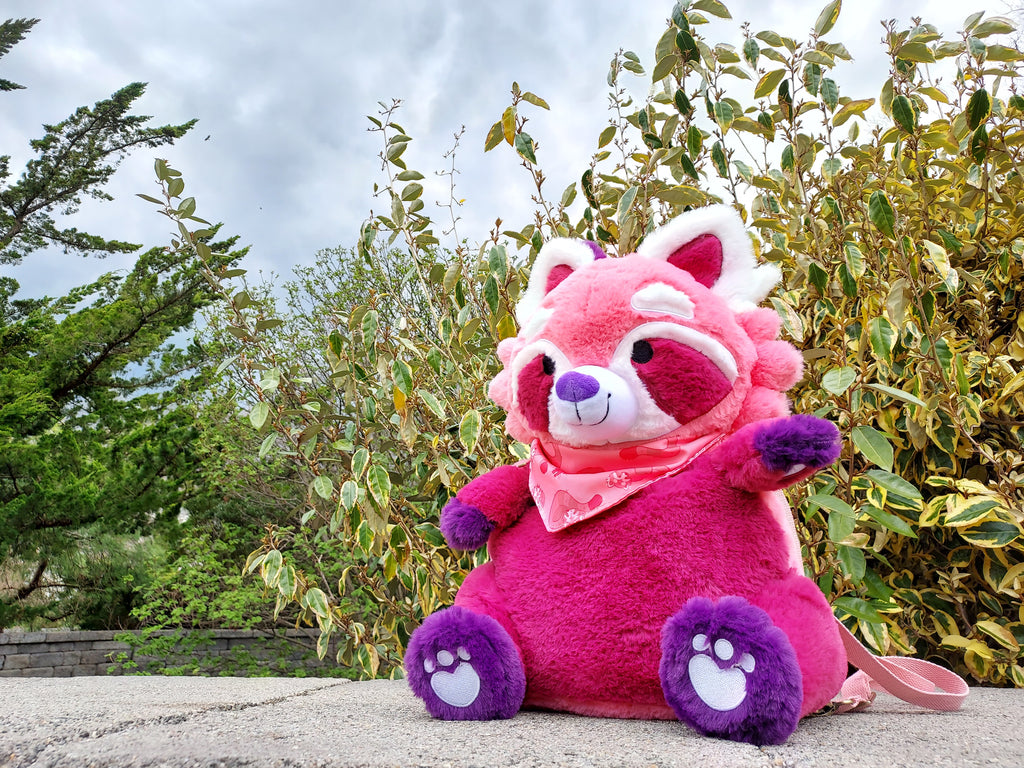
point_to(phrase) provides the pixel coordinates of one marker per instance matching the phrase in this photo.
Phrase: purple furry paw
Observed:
(464, 526)
(727, 671)
(465, 666)
(797, 442)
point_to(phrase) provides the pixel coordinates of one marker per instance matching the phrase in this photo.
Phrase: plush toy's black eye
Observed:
(642, 352)
(549, 365)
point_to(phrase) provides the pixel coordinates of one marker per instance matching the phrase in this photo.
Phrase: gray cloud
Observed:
(282, 90)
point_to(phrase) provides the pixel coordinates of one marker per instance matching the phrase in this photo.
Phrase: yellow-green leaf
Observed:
(769, 82)
(827, 17)
(469, 429)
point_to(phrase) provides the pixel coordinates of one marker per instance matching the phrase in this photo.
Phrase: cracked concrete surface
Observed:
(190, 722)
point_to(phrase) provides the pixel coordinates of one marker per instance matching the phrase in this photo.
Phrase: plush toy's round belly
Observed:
(588, 603)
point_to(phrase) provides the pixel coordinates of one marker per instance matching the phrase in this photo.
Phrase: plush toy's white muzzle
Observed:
(593, 404)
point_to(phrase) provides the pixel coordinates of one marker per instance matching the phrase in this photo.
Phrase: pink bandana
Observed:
(573, 484)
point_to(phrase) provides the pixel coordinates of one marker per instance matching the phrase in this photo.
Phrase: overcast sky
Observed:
(282, 91)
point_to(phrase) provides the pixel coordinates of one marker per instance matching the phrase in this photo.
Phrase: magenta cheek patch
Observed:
(683, 382)
(534, 389)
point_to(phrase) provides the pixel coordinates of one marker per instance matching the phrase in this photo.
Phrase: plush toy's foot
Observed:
(465, 667)
(727, 671)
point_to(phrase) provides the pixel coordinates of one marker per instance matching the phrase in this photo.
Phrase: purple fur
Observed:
(800, 439)
(597, 250)
(464, 526)
(492, 654)
(774, 692)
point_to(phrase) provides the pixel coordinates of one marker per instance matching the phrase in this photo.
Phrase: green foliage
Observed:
(902, 262)
(197, 589)
(13, 31)
(94, 451)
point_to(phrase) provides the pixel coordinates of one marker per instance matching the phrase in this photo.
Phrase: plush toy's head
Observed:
(668, 340)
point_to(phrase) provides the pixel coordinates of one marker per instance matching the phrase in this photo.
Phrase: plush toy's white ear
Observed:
(712, 244)
(558, 259)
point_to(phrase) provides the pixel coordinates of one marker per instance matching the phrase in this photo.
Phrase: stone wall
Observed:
(60, 653)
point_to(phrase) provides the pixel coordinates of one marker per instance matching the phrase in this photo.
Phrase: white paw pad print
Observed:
(458, 685)
(721, 689)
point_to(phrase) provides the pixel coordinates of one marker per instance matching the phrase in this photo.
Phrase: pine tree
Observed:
(94, 452)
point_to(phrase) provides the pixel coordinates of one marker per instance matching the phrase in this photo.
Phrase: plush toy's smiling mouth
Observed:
(591, 405)
(607, 410)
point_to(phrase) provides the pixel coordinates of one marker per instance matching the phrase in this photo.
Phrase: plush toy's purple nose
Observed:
(576, 387)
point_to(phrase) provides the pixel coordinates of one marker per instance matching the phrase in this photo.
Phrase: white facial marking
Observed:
(663, 299)
(598, 416)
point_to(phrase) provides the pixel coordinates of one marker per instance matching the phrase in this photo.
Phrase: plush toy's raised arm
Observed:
(767, 456)
(493, 500)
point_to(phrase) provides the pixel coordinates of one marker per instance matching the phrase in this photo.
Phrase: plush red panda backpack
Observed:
(644, 562)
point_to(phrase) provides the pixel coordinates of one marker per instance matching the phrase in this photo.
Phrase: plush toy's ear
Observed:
(558, 259)
(713, 246)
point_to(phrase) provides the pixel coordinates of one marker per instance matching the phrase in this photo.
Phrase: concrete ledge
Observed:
(191, 722)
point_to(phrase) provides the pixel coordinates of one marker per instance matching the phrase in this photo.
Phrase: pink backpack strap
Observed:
(913, 680)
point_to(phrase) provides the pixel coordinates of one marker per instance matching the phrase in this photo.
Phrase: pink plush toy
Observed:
(644, 562)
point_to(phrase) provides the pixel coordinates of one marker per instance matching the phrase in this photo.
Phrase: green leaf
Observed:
(889, 521)
(379, 483)
(883, 338)
(718, 158)
(899, 394)
(854, 259)
(491, 294)
(903, 113)
(626, 204)
(916, 51)
(469, 429)
(369, 328)
(349, 494)
(360, 460)
(524, 146)
(881, 214)
(751, 50)
(412, 191)
(894, 484)
(316, 601)
(431, 402)
(686, 45)
(682, 103)
(323, 486)
(991, 534)
(969, 511)
(996, 25)
(714, 7)
(852, 561)
(829, 92)
(258, 415)
(874, 446)
(858, 608)
(979, 107)
(827, 17)
(838, 380)
(663, 68)
(536, 100)
(723, 115)
(268, 444)
(430, 534)
(401, 373)
(606, 136)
